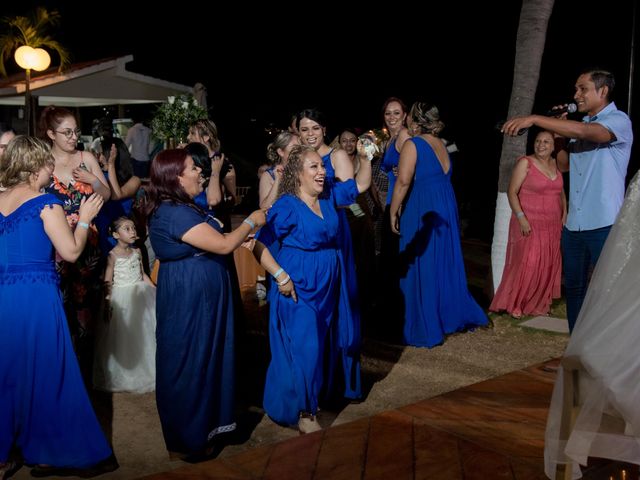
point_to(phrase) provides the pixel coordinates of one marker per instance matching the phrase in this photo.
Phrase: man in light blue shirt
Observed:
(597, 157)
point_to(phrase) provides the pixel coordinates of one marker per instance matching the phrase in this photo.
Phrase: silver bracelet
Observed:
(519, 214)
(284, 282)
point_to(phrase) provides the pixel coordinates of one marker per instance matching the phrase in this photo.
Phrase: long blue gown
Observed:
(310, 254)
(346, 333)
(432, 276)
(195, 370)
(44, 407)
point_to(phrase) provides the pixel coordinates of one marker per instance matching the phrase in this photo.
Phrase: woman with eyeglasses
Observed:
(76, 176)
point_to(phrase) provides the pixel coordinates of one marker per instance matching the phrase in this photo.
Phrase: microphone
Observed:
(570, 108)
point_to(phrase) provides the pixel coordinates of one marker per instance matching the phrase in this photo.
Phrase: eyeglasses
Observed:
(69, 132)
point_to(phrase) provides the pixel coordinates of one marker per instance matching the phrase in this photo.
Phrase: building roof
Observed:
(101, 82)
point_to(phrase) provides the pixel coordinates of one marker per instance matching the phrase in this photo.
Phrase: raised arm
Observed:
(131, 186)
(342, 165)
(214, 190)
(363, 177)
(593, 132)
(93, 176)
(268, 191)
(229, 182)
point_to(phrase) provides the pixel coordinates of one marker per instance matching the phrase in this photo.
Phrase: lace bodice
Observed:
(127, 270)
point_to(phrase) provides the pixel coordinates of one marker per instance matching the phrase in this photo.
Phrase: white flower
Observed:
(171, 99)
(185, 105)
(195, 102)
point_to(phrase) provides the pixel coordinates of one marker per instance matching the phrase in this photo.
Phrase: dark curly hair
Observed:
(291, 175)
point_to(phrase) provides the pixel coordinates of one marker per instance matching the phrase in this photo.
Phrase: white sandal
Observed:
(307, 423)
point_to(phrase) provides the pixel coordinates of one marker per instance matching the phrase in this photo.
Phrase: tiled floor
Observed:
(490, 430)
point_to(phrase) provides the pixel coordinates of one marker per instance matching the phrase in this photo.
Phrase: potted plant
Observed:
(172, 119)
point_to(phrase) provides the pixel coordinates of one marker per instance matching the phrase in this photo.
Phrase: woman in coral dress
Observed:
(531, 277)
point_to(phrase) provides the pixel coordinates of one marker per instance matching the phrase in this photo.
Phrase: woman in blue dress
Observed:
(432, 276)
(346, 333)
(194, 308)
(115, 162)
(45, 410)
(277, 154)
(211, 194)
(206, 132)
(311, 296)
(394, 114)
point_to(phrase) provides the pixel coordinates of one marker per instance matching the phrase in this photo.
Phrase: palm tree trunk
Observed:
(532, 31)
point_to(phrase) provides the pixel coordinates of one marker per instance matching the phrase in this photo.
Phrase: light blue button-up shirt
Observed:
(597, 172)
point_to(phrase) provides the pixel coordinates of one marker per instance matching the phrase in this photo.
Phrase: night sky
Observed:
(346, 61)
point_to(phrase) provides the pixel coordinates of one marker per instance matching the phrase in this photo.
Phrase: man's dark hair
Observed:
(602, 78)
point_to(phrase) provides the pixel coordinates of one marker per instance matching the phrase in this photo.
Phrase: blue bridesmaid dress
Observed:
(345, 335)
(311, 256)
(44, 407)
(195, 366)
(432, 276)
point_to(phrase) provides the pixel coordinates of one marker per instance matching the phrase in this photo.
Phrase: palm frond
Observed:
(33, 32)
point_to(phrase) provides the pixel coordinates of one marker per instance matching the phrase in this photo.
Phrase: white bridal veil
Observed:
(604, 348)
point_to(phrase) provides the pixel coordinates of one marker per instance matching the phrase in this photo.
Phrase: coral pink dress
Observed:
(531, 277)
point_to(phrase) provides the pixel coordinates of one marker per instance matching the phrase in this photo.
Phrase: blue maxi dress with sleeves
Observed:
(310, 254)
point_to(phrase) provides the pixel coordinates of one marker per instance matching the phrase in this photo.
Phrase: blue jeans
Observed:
(580, 251)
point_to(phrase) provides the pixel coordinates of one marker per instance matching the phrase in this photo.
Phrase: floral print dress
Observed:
(79, 281)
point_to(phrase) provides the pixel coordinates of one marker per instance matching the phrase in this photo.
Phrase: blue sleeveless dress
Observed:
(44, 407)
(432, 276)
(310, 254)
(345, 335)
(390, 160)
(195, 365)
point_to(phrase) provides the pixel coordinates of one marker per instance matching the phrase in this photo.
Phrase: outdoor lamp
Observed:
(31, 58)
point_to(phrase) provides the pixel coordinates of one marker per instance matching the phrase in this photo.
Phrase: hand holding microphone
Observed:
(506, 126)
(561, 110)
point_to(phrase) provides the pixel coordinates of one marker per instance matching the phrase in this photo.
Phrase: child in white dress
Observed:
(126, 346)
